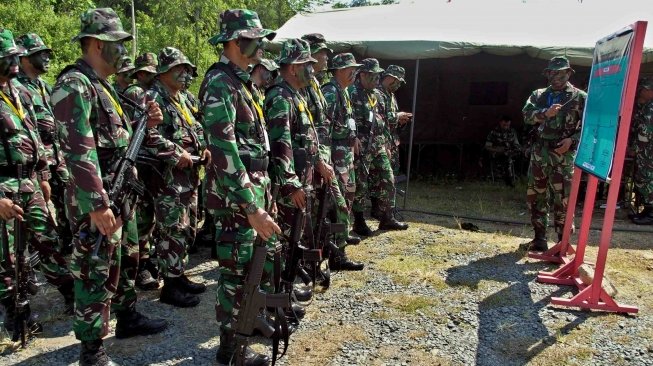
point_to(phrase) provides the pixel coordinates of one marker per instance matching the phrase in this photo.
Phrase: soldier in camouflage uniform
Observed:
(263, 76)
(317, 105)
(503, 146)
(122, 79)
(391, 79)
(144, 72)
(23, 153)
(373, 168)
(95, 133)
(237, 178)
(35, 61)
(175, 194)
(556, 111)
(643, 121)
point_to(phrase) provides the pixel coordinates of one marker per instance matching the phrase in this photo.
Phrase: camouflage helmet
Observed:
(295, 51)
(7, 45)
(103, 24)
(645, 83)
(126, 65)
(240, 23)
(558, 63)
(269, 65)
(146, 62)
(170, 57)
(396, 72)
(317, 42)
(371, 65)
(31, 43)
(343, 61)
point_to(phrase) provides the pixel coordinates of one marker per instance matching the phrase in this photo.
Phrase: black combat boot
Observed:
(227, 348)
(93, 354)
(68, 292)
(144, 279)
(539, 242)
(388, 222)
(303, 295)
(374, 211)
(131, 323)
(353, 239)
(360, 226)
(174, 293)
(339, 261)
(645, 217)
(192, 287)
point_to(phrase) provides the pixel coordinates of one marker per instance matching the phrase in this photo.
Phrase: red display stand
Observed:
(594, 296)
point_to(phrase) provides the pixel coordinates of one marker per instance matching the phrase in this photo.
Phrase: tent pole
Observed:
(412, 129)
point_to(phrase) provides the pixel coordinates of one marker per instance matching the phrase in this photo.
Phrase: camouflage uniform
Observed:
(236, 138)
(338, 133)
(176, 197)
(94, 134)
(643, 121)
(547, 168)
(392, 128)
(40, 92)
(22, 146)
(125, 69)
(506, 139)
(373, 168)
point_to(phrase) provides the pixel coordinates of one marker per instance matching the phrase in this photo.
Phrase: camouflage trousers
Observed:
(104, 283)
(146, 224)
(379, 179)
(57, 208)
(343, 166)
(176, 215)
(41, 236)
(548, 172)
(644, 179)
(393, 157)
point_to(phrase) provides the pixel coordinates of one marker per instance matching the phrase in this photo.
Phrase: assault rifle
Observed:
(253, 314)
(124, 184)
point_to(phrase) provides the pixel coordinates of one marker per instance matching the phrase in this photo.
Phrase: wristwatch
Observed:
(251, 208)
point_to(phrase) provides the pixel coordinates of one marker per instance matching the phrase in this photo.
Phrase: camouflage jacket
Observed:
(94, 135)
(317, 105)
(40, 92)
(290, 127)
(192, 104)
(136, 93)
(20, 139)
(119, 89)
(339, 112)
(368, 113)
(507, 139)
(175, 134)
(567, 123)
(392, 127)
(234, 130)
(643, 120)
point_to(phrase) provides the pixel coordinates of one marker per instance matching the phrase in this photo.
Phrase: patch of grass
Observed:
(352, 280)
(381, 315)
(411, 269)
(320, 346)
(408, 303)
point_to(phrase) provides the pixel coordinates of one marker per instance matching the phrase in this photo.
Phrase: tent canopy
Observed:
(437, 29)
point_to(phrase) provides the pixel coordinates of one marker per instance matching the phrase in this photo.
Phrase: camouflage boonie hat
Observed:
(7, 45)
(371, 65)
(126, 65)
(269, 65)
(170, 57)
(31, 43)
(146, 62)
(295, 51)
(103, 24)
(559, 63)
(343, 61)
(317, 42)
(645, 83)
(396, 72)
(240, 23)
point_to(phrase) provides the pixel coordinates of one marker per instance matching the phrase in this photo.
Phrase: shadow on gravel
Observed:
(511, 331)
(60, 356)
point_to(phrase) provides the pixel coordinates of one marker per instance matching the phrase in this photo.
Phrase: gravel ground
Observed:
(432, 295)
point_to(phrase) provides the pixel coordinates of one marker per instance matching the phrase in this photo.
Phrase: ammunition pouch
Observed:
(253, 164)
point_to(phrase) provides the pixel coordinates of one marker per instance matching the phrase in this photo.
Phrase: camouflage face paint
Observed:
(41, 60)
(113, 52)
(558, 78)
(9, 66)
(250, 47)
(305, 74)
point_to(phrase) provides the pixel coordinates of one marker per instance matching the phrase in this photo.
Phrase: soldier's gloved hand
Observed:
(262, 222)
(104, 220)
(45, 187)
(154, 114)
(564, 146)
(553, 110)
(185, 161)
(9, 210)
(326, 171)
(298, 198)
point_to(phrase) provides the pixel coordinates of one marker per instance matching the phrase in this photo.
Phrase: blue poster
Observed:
(602, 109)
